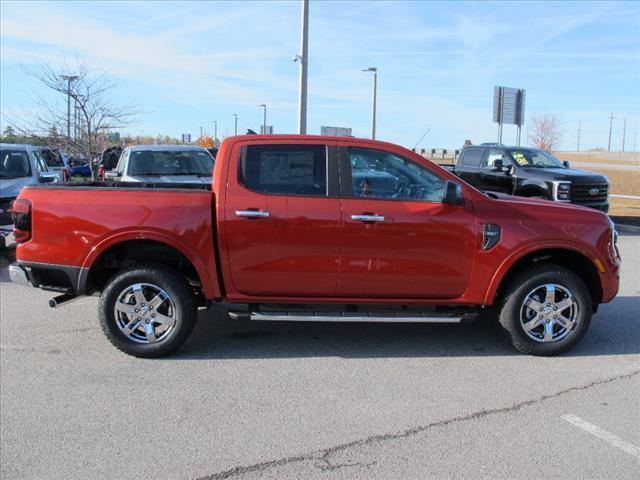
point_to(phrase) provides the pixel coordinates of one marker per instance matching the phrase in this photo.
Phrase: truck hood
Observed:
(563, 210)
(169, 179)
(577, 176)
(10, 187)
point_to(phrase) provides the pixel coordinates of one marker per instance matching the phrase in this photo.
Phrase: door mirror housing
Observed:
(452, 194)
(111, 175)
(509, 170)
(48, 177)
(566, 164)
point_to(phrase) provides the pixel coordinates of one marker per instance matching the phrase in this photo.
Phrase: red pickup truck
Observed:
(311, 228)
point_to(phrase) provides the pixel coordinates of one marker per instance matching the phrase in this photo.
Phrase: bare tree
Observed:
(545, 131)
(93, 113)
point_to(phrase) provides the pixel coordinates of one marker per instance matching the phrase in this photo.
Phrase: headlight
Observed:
(562, 191)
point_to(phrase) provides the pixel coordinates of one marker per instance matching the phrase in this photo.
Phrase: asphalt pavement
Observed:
(327, 401)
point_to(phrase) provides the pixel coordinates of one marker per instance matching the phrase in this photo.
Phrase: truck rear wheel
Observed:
(546, 311)
(147, 311)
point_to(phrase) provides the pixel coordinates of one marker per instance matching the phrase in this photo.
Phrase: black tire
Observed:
(180, 306)
(511, 310)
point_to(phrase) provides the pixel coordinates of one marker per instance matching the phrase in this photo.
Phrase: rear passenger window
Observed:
(285, 169)
(472, 157)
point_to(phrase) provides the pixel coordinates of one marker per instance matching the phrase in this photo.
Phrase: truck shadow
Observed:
(613, 331)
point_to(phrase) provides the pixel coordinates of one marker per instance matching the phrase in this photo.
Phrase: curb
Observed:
(630, 229)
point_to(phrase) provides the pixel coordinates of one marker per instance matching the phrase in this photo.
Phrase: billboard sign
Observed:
(186, 138)
(508, 106)
(335, 131)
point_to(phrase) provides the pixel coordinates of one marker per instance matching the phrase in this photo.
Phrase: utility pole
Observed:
(303, 59)
(610, 129)
(373, 106)
(624, 133)
(264, 118)
(200, 134)
(215, 133)
(235, 126)
(579, 130)
(69, 79)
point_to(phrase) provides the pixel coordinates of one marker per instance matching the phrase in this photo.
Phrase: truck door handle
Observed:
(251, 214)
(367, 218)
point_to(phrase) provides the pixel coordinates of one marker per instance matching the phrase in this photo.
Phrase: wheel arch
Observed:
(127, 248)
(570, 258)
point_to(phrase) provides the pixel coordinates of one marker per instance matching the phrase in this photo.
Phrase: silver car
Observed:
(163, 163)
(20, 165)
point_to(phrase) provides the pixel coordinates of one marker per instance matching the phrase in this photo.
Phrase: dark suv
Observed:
(530, 172)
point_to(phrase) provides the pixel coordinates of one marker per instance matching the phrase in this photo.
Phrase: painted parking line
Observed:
(596, 431)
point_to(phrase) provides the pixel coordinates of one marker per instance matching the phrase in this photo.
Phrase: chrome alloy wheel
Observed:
(548, 313)
(145, 313)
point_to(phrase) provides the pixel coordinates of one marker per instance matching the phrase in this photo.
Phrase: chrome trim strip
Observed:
(285, 317)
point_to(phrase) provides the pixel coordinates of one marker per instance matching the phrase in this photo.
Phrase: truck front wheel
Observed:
(147, 311)
(546, 311)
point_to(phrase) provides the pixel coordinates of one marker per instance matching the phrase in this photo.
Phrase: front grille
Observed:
(586, 192)
(5, 213)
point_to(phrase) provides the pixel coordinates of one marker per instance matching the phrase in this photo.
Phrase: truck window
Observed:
(52, 158)
(492, 156)
(284, 169)
(382, 175)
(472, 157)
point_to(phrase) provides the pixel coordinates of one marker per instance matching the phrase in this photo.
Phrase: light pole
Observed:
(303, 59)
(215, 133)
(373, 107)
(235, 126)
(69, 79)
(200, 135)
(264, 118)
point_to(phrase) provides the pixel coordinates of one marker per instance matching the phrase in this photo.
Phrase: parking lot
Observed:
(271, 400)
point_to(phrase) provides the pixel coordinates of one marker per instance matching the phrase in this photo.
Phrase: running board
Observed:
(349, 317)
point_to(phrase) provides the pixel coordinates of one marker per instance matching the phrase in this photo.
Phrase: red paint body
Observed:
(309, 250)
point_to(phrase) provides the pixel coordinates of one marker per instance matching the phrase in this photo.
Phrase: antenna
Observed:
(421, 138)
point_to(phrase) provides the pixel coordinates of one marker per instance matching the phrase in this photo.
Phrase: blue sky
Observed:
(189, 63)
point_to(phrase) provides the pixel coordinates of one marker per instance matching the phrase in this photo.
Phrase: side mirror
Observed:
(498, 165)
(48, 177)
(509, 170)
(452, 194)
(566, 164)
(111, 175)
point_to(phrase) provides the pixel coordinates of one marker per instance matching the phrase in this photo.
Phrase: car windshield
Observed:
(150, 162)
(535, 158)
(52, 157)
(14, 164)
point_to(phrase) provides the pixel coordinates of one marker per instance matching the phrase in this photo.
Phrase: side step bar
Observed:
(346, 317)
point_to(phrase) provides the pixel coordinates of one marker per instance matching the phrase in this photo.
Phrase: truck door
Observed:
(281, 219)
(468, 167)
(398, 239)
(492, 180)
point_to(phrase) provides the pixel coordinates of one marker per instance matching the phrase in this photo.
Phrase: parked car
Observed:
(20, 165)
(56, 161)
(163, 163)
(316, 228)
(530, 172)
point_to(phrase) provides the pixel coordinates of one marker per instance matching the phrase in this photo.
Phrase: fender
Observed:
(525, 250)
(533, 184)
(210, 284)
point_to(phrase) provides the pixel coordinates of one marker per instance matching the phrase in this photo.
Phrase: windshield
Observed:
(14, 164)
(535, 158)
(148, 162)
(52, 158)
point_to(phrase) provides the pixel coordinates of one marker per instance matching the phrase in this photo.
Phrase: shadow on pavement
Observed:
(613, 331)
(7, 256)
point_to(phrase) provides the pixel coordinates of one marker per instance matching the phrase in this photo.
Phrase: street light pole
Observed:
(373, 106)
(303, 58)
(264, 118)
(69, 79)
(235, 127)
